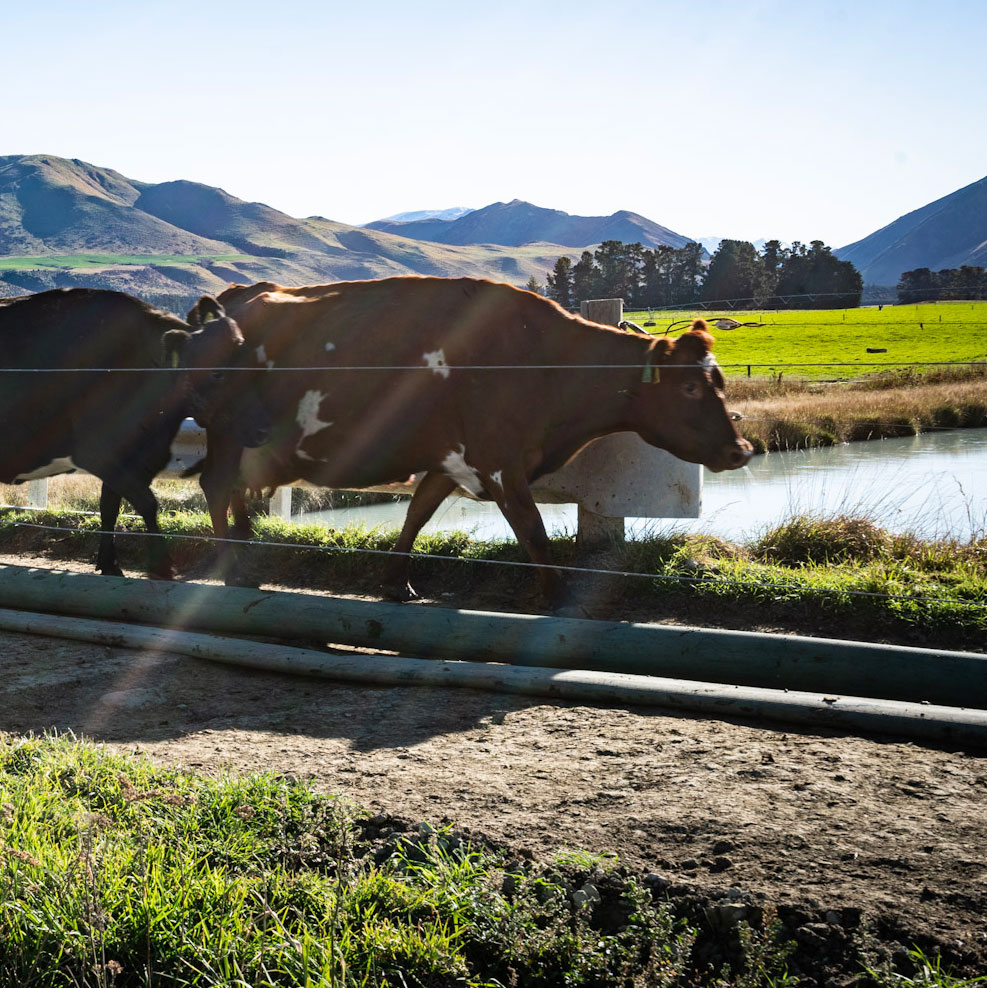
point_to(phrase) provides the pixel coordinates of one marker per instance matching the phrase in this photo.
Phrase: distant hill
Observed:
(947, 233)
(50, 205)
(516, 223)
(88, 225)
(453, 213)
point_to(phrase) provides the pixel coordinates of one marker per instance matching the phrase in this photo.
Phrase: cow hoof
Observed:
(399, 592)
(168, 574)
(113, 570)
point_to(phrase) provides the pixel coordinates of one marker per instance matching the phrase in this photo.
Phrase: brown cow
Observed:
(475, 384)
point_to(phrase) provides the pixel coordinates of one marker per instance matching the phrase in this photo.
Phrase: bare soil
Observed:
(836, 829)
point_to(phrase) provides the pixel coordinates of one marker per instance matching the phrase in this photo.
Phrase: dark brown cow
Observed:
(475, 384)
(100, 381)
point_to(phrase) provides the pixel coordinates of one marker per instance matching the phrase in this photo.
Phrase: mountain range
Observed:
(516, 223)
(67, 222)
(947, 233)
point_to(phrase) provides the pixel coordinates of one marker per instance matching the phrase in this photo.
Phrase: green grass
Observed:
(928, 333)
(114, 872)
(843, 568)
(110, 260)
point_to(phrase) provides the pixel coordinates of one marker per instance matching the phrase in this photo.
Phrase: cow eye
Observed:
(217, 375)
(691, 389)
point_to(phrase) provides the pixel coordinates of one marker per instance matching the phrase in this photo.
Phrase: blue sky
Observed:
(800, 120)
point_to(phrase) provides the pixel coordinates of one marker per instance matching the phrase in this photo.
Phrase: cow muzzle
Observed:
(734, 456)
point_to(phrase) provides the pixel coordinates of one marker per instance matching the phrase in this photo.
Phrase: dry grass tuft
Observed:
(823, 416)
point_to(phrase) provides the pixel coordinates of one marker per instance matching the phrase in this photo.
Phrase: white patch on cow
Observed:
(709, 361)
(308, 415)
(436, 360)
(498, 478)
(330, 346)
(455, 467)
(262, 357)
(61, 464)
(302, 455)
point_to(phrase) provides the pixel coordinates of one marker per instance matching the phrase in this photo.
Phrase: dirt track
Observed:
(895, 830)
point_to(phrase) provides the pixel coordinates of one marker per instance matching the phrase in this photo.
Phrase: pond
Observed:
(934, 485)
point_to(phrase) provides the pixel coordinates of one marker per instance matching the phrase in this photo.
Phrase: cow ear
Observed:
(205, 310)
(173, 343)
(693, 346)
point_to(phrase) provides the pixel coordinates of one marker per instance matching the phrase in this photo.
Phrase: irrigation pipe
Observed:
(924, 722)
(753, 659)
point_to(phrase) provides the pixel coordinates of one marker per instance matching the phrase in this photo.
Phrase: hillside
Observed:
(66, 222)
(50, 205)
(515, 223)
(947, 233)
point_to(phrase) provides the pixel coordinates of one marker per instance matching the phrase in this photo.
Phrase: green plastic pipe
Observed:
(742, 658)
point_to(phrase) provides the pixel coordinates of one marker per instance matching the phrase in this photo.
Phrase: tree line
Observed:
(923, 285)
(738, 274)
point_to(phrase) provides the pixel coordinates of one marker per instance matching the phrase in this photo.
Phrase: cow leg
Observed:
(433, 489)
(219, 481)
(109, 512)
(515, 501)
(139, 494)
(242, 528)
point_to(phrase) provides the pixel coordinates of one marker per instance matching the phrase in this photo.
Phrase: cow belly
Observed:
(61, 464)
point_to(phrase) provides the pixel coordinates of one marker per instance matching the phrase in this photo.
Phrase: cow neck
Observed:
(609, 393)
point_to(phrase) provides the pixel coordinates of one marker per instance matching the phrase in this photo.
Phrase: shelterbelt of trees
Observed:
(949, 284)
(775, 277)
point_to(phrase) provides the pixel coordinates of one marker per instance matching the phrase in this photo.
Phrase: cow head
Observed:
(680, 405)
(218, 379)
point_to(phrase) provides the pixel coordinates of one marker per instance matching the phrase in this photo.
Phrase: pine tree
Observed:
(585, 278)
(735, 274)
(558, 283)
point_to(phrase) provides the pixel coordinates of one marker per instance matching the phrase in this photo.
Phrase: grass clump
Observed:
(114, 872)
(842, 568)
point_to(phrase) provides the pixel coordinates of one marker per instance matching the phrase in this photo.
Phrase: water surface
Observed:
(934, 485)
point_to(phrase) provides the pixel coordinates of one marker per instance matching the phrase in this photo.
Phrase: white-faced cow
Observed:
(475, 384)
(74, 395)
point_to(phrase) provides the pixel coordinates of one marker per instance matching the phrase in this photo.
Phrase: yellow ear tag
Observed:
(174, 359)
(652, 373)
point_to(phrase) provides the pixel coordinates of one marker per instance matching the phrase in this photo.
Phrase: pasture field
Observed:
(832, 343)
(75, 261)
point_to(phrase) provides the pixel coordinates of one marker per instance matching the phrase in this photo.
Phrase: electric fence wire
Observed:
(576, 570)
